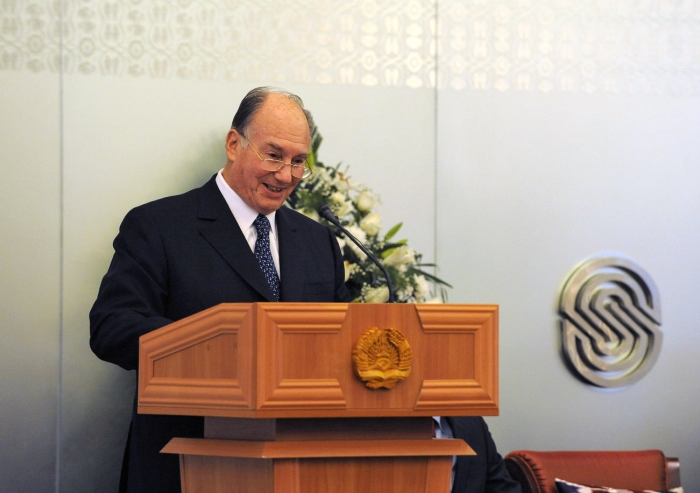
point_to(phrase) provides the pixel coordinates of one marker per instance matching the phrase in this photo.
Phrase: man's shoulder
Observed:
(173, 204)
(296, 218)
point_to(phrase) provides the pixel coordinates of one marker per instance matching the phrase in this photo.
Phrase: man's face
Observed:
(278, 130)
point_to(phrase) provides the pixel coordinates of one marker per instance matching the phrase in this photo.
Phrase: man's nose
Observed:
(285, 174)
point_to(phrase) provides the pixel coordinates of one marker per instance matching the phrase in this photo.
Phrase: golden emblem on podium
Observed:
(382, 357)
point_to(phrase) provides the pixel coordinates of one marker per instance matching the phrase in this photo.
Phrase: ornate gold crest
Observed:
(382, 357)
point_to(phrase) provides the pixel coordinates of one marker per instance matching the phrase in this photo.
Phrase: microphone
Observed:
(325, 212)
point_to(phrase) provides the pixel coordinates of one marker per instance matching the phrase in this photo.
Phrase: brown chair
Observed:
(632, 470)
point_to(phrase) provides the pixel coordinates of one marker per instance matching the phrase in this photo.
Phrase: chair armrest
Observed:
(673, 472)
(520, 472)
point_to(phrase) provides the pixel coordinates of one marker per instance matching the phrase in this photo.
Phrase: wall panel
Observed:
(573, 163)
(30, 270)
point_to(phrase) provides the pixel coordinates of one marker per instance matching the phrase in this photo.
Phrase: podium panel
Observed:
(285, 360)
(368, 375)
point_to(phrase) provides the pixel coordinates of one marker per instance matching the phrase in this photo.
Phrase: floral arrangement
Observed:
(353, 205)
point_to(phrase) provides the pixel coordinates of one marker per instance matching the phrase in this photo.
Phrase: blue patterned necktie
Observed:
(264, 256)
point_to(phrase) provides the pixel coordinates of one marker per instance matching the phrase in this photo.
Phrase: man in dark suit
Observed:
(179, 255)
(484, 472)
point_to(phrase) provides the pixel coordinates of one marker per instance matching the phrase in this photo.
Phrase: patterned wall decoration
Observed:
(543, 46)
(568, 46)
(367, 42)
(610, 317)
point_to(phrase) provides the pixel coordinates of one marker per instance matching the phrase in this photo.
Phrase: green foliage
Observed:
(353, 203)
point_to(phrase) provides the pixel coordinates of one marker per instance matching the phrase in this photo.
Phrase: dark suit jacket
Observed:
(486, 471)
(175, 257)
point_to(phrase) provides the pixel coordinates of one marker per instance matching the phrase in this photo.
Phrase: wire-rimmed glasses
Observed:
(299, 167)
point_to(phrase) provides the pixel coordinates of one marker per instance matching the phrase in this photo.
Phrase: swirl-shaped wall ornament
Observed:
(610, 318)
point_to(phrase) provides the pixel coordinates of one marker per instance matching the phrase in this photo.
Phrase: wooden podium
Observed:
(258, 371)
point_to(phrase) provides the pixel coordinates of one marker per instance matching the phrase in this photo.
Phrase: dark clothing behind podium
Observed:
(485, 472)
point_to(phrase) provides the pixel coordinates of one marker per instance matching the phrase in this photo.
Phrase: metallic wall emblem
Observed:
(610, 318)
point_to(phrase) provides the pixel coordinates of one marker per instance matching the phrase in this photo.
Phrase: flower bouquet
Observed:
(353, 205)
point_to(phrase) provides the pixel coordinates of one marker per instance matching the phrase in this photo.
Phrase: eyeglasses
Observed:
(298, 166)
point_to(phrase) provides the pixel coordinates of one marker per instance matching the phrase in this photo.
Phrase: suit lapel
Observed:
(291, 265)
(218, 226)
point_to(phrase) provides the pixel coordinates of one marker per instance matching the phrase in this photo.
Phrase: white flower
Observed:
(341, 185)
(322, 174)
(365, 201)
(377, 295)
(400, 257)
(355, 185)
(405, 293)
(370, 223)
(348, 270)
(341, 206)
(361, 237)
(422, 289)
(338, 198)
(437, 299)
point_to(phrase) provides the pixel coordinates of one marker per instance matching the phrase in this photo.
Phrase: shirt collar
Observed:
(242, 212)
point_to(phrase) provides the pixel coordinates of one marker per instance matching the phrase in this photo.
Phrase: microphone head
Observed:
(325, 212)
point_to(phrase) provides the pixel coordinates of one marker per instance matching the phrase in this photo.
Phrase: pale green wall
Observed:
(557, 130)
(574, 176)
(30, 270)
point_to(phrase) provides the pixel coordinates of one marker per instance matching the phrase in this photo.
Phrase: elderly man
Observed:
(228, 241)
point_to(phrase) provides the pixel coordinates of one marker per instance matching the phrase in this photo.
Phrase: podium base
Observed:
(338, 466)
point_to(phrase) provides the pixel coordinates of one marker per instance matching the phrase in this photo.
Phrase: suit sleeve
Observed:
(498, 479)
(486, 471)
(132, 296)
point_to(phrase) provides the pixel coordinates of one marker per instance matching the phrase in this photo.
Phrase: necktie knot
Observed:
(264, 255)
(262, 225)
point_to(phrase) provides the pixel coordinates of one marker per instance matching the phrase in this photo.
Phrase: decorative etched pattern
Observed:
(367, 42)
(610, 321)
(568, 46)
(544, 46)
(30, 35)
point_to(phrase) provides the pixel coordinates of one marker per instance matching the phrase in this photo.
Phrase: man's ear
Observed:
(233, 142)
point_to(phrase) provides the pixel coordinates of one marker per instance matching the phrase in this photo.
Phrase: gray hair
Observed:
(252, 102)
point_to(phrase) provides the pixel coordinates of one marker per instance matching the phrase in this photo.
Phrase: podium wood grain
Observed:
(357, 466)
(258, 371)
(293, 360)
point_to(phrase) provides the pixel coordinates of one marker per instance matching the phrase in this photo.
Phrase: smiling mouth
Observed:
(272, 189)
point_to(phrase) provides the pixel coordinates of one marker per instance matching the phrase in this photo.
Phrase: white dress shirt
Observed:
(245, 215)
(443, 430)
